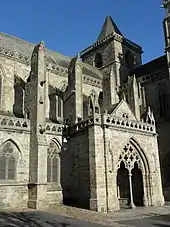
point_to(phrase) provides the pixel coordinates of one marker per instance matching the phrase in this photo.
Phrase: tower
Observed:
(166, 23)
(112, 51)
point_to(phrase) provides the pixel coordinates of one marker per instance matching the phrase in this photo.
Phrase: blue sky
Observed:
(69, 26)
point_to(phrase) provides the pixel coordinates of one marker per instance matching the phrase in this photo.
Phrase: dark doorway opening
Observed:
(137, 186)
(123, 186)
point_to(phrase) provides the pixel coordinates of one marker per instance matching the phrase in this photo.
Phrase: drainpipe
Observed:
(105, 163)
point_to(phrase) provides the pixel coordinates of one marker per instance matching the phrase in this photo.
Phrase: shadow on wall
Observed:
(75, 179)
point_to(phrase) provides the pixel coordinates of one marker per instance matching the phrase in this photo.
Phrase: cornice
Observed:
(112, 36)
(55, 68)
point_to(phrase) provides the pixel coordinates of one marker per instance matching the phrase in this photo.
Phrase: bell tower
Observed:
(112, 53)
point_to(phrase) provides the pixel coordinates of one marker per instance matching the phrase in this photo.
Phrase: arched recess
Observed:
(132, 160)
(9, 155)
(53, 162)
(98, 60)
(55, 105)
(144, 164)
(19, 96)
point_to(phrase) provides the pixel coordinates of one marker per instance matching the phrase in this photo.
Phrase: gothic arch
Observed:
(19, 96)
(58, 143)
(9, 155)
(98, 60)
(53, 161)
(138, 153)
(133, 164)
(56, 104)
(15, 142)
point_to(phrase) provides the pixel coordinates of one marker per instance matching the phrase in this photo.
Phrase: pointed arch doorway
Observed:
(131, 180)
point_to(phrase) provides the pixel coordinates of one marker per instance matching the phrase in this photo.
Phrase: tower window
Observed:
(98, 60)
(129, 59)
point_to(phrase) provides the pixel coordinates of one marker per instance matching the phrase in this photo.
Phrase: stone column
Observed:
(132, 205)
(145, 190)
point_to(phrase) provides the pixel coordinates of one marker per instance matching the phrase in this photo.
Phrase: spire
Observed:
(109, 26)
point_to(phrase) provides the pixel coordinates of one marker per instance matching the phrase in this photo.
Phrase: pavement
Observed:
(40, 219)
(73, 217)
(158, 221)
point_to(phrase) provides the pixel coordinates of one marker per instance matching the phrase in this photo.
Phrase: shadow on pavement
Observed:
(153, 221)
(39, 219)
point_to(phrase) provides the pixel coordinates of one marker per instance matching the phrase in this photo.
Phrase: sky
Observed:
(70, 26)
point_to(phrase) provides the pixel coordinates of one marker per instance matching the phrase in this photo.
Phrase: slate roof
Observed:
(151, 67)
(18, 45)
(25, 48)
(109, 27)
(91, 71)
(113, 107)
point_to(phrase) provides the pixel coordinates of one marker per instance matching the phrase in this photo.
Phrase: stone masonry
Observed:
(83, 130)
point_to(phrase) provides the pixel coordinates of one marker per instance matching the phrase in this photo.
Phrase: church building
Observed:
(90, 131)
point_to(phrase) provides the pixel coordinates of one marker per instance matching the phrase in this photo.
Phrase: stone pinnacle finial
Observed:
(42, 45)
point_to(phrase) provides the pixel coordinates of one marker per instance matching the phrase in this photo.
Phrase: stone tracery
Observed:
(8, 160)
(53, 162)
(129, 156)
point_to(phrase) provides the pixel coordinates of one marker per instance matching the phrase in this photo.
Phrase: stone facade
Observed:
(82, 130)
